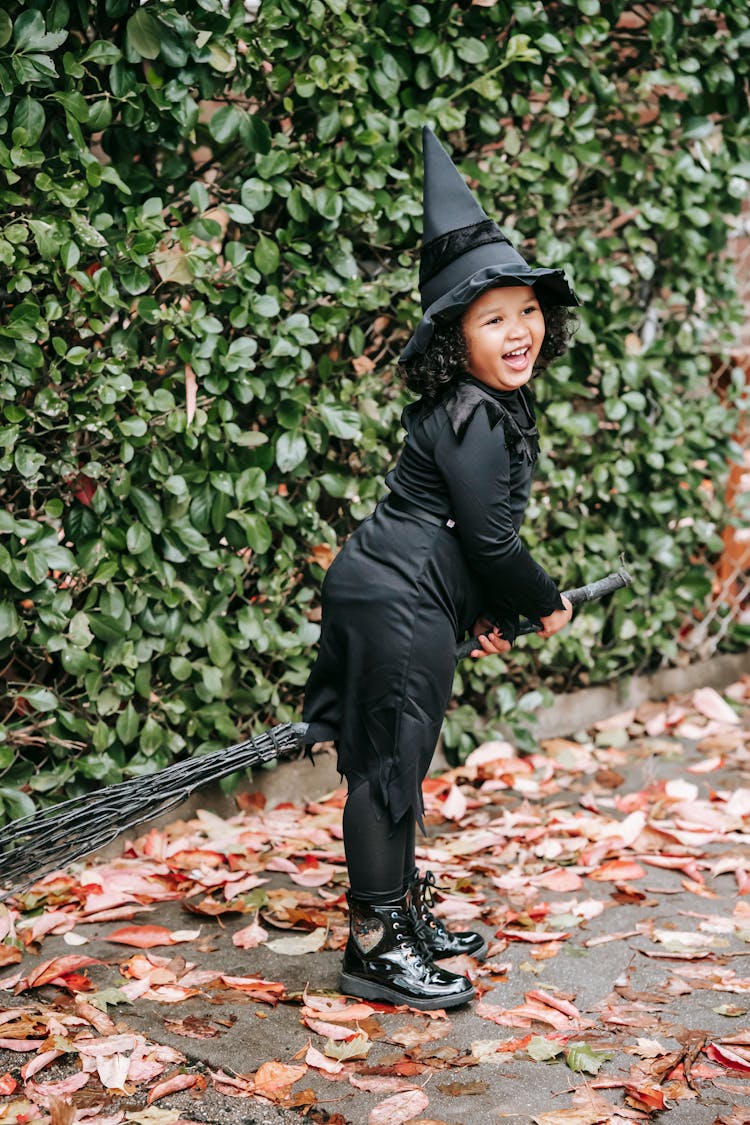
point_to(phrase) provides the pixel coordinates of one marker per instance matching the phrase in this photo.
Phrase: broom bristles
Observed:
(36, 845)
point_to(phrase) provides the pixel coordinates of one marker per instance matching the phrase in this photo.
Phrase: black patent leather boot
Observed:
(439, 941)
(384, 960)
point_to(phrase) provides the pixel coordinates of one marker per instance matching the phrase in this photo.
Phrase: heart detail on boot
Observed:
(367, 933)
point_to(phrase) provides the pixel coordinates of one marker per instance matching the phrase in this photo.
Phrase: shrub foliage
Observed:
(208, 252)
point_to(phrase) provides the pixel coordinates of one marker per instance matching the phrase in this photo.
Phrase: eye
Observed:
(531, 309)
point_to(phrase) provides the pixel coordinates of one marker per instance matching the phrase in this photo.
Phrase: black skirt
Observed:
(395, 601)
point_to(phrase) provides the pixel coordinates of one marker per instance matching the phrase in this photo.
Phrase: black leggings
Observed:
(380, 857)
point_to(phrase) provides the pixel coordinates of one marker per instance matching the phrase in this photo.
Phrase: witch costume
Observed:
(439, 551)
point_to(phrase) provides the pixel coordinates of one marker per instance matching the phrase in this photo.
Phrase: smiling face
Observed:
(504, 330)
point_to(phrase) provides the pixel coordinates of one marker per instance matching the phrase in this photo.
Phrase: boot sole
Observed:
(369, 990)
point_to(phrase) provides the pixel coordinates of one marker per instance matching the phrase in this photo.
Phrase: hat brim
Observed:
(551, 284)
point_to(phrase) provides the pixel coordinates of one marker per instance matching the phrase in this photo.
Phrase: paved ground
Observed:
(611, 873)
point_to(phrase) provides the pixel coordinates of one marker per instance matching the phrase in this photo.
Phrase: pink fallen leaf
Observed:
(250, 936)
(335, 1009)
(710, 704)
(707, 765)
(399, 1108)
(454, 806)
(490, 752)
(617, 870)
(318, 1060)
(33, 1066)
(173, 1085)
(314, 876)
(381, 1084)
(558, 1002)
(21, 1045)
(58, 1089)
(8, 1084)
(113, 1071)
(330, 1030)
(560, 879)
(533, 935)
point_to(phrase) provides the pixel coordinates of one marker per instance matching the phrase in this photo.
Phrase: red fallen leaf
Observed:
(142, 937)
(174, 1084)
(617, 870)
(56, 969)
(531, 935)
(645, 1097)
(74, 982)
(8, 1084)
(729, 1058)
(511, 1045)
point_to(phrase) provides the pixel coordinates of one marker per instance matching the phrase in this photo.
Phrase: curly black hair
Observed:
(447, 357)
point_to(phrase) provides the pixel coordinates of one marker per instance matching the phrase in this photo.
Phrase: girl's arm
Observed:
(476, 469)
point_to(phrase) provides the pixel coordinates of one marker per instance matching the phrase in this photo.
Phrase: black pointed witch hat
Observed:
(464, 252)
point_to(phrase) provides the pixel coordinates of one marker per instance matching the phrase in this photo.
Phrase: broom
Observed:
(35, 845)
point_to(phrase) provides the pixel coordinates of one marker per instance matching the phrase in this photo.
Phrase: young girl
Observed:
(439, 557)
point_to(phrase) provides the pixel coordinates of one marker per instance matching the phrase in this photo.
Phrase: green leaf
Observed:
(549, 43)
(148, 509)
(137, 539)
(583, 1059)
(6, 28)
(266, 255)
(143, 33)
(340, 422)
(9, 621)
(29, 115)
(102, 51)
(224, 124)
(18, 804)
(291, 451)
(40, 698)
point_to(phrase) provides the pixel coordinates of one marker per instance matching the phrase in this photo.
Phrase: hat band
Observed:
(505, 258)
(441, 251)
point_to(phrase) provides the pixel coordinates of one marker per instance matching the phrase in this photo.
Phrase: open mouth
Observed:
(517, 359)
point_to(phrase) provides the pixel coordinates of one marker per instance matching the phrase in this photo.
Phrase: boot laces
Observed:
(425, 921)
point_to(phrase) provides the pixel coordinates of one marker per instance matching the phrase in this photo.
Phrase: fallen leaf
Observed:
(542, 1050)
(274, 1079)
(582, 1058)
(149, 937)
(299, 944)
(250, 936)
(174, 1084)
(399, 1108)
(463, 1089)
(343, 1050)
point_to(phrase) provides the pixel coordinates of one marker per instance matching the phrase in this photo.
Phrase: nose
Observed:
(516, 329)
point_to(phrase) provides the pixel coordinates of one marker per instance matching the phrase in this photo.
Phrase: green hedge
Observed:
(208, 253)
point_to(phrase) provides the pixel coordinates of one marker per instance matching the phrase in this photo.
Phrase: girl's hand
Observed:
(557, 620)
(490, 638)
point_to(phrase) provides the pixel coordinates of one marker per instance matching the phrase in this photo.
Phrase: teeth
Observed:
(518, 351)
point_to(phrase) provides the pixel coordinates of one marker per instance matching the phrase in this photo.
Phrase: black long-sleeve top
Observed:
(471, 458)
